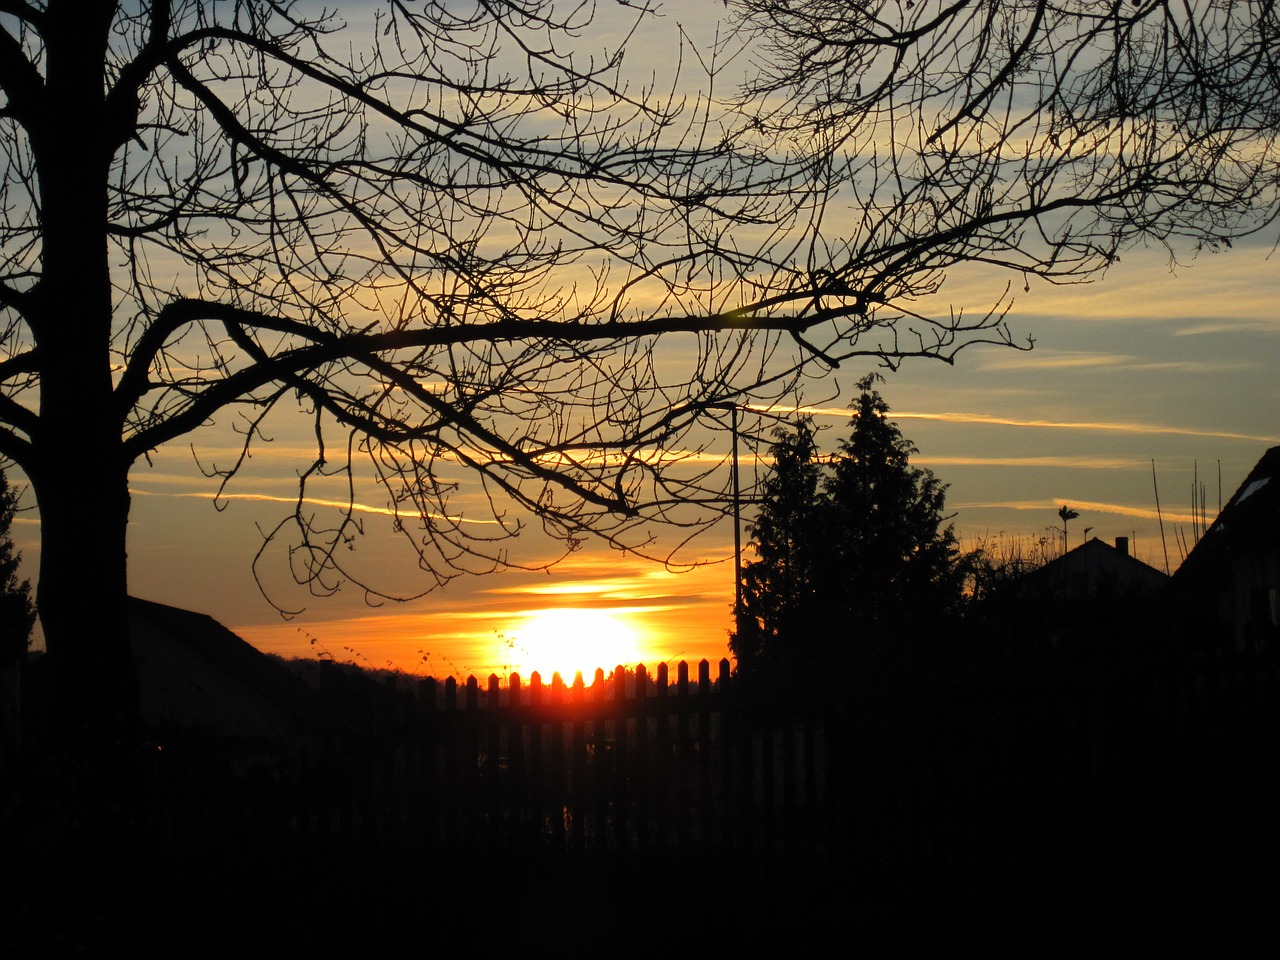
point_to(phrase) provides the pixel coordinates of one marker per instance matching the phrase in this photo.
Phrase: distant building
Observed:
(195, 676)
(1095, 594)
(1230, 581)
(1096, 570)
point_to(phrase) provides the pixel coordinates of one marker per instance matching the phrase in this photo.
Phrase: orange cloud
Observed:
(312, 501)
(1096, 425)
(1068, 463)
(1077, 360)
(1120, 509)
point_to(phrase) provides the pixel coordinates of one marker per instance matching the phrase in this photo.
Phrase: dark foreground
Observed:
(124, 867)
(1049, 812)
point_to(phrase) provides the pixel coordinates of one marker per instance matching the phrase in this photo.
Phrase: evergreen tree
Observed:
(855, 556)
(898, 563)
(777, 593)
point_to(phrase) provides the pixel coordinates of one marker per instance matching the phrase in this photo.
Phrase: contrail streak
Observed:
(337, 504)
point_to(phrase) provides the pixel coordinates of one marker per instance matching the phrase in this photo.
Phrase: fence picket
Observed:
(669, 765)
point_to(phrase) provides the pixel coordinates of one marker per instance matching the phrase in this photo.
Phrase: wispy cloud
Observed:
(1100, 426)
(310, 501)
(638, 581)
(614, 587)
(1048, 361)
(1215, 327)
(1067, 463)
(1093, 425)
(1119, 509)
(1068, 360)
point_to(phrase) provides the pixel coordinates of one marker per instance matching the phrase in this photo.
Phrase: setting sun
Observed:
(566, 639)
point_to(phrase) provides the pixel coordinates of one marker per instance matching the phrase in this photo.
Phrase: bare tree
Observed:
(453, 239)
(1042, 138)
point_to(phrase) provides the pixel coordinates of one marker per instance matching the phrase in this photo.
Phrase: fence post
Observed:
(621, 764)
(599, 766)
(557, 767)
(662, 761)
(493, 733)
(711, 810)
(683, 749)
(426, 757)
(472, 799)
(577, 787)
(537, 755)
(643, 766)
(735, 760)
(517, 770)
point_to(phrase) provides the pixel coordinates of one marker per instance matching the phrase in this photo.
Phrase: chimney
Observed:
(1122, 544)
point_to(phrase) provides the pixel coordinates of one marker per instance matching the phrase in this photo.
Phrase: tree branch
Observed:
(19, 78)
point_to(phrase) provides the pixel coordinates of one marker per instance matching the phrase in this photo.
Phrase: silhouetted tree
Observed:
(451, 238)
(779, 601)
(999, 564)
(855, 560)
(1042, 137)
(446, 234)
(17, 612)
(1065, 513)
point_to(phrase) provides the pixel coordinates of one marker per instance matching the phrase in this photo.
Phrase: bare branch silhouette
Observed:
(459, 241)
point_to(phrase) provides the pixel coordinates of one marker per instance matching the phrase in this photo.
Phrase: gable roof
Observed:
(1096, 568)
(1250, 518)
(195, 672)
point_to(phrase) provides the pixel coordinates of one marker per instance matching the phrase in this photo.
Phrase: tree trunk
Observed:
(76, 467)
(82, 599)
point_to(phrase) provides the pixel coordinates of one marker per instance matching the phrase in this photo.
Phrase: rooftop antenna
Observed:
(1160, 517)
(1204, 509)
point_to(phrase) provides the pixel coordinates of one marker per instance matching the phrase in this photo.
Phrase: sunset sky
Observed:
(1176, 365)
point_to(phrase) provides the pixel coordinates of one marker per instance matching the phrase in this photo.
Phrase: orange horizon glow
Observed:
(564, 640)
(579, 622)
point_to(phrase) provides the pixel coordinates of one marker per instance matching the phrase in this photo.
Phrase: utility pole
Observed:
(734, 410)
(737, 526)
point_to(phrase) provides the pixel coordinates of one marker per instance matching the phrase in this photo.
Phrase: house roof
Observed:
(193, 670)
(1251, 517)
(1096, 568)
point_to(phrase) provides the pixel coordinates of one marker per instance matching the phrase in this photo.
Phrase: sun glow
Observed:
(567, 639)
